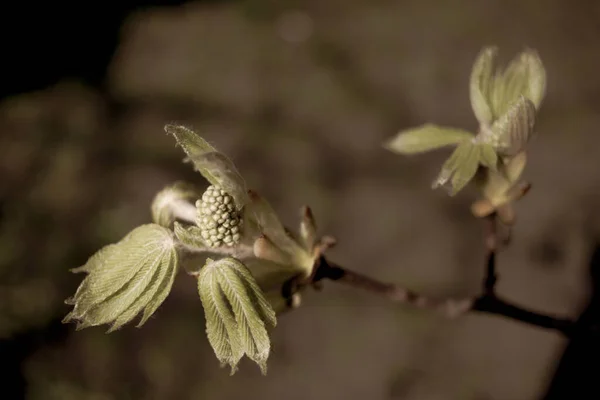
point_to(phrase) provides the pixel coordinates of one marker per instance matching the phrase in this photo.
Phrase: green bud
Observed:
(218, 218)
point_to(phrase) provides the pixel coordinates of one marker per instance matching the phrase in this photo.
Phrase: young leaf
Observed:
(190, 236)
(466, 169)
(265, 249)
(221, 327)
(524, 76)
(425, 138)
(513, 130)
(260, 213)
(481, 85)
(497, 185)
(536, 85)
(460, 168)
(175, 201)
(126, 278)
(217, 168)
(236, 312)
(488, 156)
(308, 229)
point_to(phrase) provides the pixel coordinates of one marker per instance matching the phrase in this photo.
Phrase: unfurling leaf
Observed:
(190, 236)
(175, 201)
(308, 229)
(497, 185)
(425, 138)
(536, 85)
(488, 156)
(524, 76)
(265, 249)
(260, 214)
(236, 312)
(481, 85)
(511, 133)
(460, 168)
(216, 167)
(124, 279)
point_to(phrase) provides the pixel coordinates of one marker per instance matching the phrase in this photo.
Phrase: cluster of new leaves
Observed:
(505, 103)
(232, 241)
(135, 275)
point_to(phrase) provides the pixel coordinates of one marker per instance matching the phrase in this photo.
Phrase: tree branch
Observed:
(488, 302)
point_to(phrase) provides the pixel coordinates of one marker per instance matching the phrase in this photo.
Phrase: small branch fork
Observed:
(488, 302)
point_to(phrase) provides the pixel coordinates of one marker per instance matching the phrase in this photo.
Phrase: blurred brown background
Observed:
(300, 95)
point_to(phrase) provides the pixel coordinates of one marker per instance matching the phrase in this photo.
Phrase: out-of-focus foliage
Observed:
(505, 104)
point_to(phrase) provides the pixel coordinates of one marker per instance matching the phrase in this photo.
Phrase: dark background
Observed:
(300, 95)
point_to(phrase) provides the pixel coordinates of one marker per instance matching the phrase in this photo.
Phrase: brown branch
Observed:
(488, 302)
(491, 246)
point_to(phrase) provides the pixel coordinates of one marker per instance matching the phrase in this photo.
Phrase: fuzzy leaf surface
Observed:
(236, 311)
(425, 138)
(215, 166)
(124, 279)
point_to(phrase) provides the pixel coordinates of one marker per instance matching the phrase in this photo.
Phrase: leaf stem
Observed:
(183, 210)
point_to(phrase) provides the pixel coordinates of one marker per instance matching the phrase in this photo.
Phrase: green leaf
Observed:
(497, 184)
(466, 169)
(524, 76)
(308, 229)
(460, 168)
(177, 197)
(190, 236)
(481, 84)
(425, 138)
(488, 156)
(221, 327)
(536, 87)
(216, 167)
(260, 213)
(126, 278)
(236, 311)
(265, 249)
(514, 129)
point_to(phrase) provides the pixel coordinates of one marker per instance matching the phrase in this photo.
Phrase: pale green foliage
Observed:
(190, 235)
(460, 168)
(480, 87)
(505, 104)
(512, 131)
(425, 138)
(164, 202)
(216, 167)
(488, 157)
(236, 312)
(497, 186)
(493, 91)
(260, 213)
(124, 279)
(308, 229)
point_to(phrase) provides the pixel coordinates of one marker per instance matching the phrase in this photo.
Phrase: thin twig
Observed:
(491, 247)
(486, 303)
